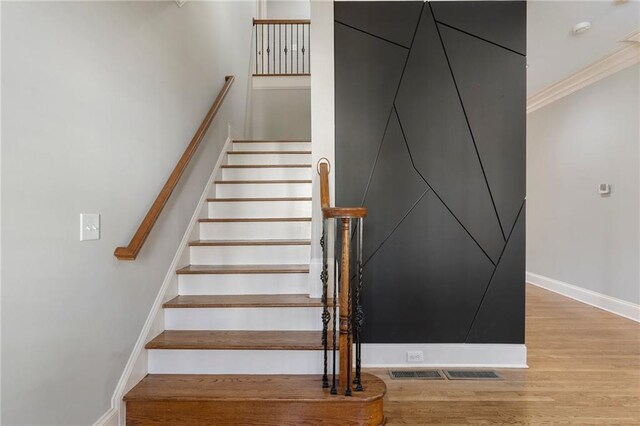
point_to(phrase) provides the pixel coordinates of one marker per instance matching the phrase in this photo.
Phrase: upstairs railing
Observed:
(131, 251)
(346, 296)
(282, 46)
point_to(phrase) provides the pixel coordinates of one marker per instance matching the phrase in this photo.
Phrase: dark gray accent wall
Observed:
(430, 136)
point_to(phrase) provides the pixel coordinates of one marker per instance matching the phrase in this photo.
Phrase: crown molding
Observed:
(592, 73)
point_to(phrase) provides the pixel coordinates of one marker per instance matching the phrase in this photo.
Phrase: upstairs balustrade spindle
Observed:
(346, 297)
(282, 46)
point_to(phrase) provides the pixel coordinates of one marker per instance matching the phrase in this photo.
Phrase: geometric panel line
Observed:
(371, 34)
(436, 194)
(470, 130)
(373, 253)
(486, 290)
(479, 38)
(384, 134)
(393, 103)
(415, 32)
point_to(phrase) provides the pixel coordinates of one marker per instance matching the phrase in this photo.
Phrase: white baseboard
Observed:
(468, 355)
(610, 304)
(110, 418)
(136, 367)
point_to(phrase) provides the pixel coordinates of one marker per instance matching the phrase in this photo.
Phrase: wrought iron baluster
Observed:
(359, 314)
(303, 48)
(268, 51)
(334, 332)
(279, 48)
(347, 390)
(324, 277)
(256, 30)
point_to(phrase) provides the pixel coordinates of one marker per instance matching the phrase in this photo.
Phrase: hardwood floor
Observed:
(584, 369)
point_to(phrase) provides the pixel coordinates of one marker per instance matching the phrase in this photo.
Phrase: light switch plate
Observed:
(89, 226)
(604, 189)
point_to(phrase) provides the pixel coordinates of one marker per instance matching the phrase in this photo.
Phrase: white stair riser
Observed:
(254, 230)
(253, 209)
(250, 255)
(184, 361)
(237, 159)
(264, 190)
(264, 318)
(267, 173)
(272, 146)
(224, 284)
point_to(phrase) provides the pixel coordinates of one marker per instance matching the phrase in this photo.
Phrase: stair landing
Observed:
(179, 399)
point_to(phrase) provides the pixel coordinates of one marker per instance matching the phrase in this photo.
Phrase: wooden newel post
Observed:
(345, 359)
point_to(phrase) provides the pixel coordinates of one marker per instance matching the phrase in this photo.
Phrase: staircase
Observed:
(243, 340)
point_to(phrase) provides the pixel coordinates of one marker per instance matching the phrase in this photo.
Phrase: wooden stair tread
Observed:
(258, 219)
(266, 166)
(244, 269)
(215, 243)
(247, 182)
(268, 152)
(244, 301)
(233, 387)
(213, 200)
(237, 340)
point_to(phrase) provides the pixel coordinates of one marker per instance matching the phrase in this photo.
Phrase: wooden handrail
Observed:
(348, 327)
(281, 21)
(329, 212)
(131, 251)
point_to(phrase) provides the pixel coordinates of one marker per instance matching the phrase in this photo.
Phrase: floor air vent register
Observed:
(449, 374)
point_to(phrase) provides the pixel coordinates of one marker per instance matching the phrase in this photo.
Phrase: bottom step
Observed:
(256, 400)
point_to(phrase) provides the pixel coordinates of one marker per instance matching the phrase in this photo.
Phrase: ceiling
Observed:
(554, 53)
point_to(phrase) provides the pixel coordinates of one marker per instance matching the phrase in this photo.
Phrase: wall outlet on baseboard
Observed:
(415, 356)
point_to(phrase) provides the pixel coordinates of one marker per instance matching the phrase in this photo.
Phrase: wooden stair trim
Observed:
(232, 387)
(257, 21)
(214, 200)
(244, 301)
(269, 141)
(242, 269)
(267, 152)
(237, 340)
(251, 182)
(283, 75)
(130, 252)
(229, 243)
(256, 219)
(266, 166)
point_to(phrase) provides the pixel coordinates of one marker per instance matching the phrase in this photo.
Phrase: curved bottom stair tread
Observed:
(251, 399)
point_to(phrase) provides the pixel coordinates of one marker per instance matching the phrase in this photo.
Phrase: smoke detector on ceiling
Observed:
(581, 27)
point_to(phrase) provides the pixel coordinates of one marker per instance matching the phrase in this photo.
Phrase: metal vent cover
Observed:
(416, 374)
(472, 375)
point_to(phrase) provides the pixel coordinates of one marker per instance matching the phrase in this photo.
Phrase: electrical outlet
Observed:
(415, 356)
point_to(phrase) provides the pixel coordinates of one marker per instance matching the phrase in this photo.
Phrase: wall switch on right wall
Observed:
(604, 189)
(415, 356)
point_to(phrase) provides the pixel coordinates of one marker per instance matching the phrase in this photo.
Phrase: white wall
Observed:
(573, 234)
(99, 101)
(322, 123)
(281, 113)
(292, 9)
